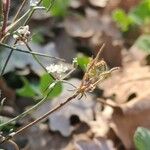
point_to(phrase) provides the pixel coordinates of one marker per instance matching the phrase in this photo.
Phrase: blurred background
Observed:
(105, 119)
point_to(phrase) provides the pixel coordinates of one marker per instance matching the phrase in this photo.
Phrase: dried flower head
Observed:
(96, 72)
(75, 62)
(22, 34)
(33, 3)
(58, 69)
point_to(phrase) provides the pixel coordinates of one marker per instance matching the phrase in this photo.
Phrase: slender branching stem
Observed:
(31, 13)
(19, 10)
(14, 144)
(29, 110)
(52, 85)
(6, 62)
(47, 114)
(28, 52)
(35, 57)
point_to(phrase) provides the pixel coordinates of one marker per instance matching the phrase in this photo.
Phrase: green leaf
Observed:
(122, 19)
(6, 128)
(28, 90)
(38, 38)
(82, 61)
(142, 139)
(143, 43)
(136, 15)
(54, 88)
(59, 8)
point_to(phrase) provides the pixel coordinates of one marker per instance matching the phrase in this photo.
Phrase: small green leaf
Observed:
(82, 61)
(38, 38)
(27, 90)
(136, 15)
(59, 8)
(142, 139)
(6, 128)
(54, 88)
(122, 19)
(143, 43)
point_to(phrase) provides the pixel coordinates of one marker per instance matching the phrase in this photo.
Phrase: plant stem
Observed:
(35, 106)
(19, 10)
(14, 144)
(47, 114)
(1, 10)
(6, 62)
(35, 57)
(31, 13)
(28, 52)
(29, 110)
(6, 7)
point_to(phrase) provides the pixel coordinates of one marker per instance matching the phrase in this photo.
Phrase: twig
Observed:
(52, 85)
(42, 117)
(85, 86)
(28, 52)
(14, 144)
(91, 64)
(47, 114)
(27, 111)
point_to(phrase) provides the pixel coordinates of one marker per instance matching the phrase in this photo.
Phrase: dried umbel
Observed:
(96, 72)
(22, 34)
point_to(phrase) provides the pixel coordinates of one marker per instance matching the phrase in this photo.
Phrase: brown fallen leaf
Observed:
(95, 144)
(78, 26)
(106, 32)
(127, 117)
(125, 4)
(125, 84)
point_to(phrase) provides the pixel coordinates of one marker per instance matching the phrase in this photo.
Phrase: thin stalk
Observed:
(35, 57)
(51, 5)
(1, 10)
(14, 144)
(17, 21)
(6, 62)
(28, 111)
(31, 13)
(19, 10)
(29, 16)
(42, 117)
(28, 52)
(62, 79)
(47, 114)
(6, 7)
(37, 105)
